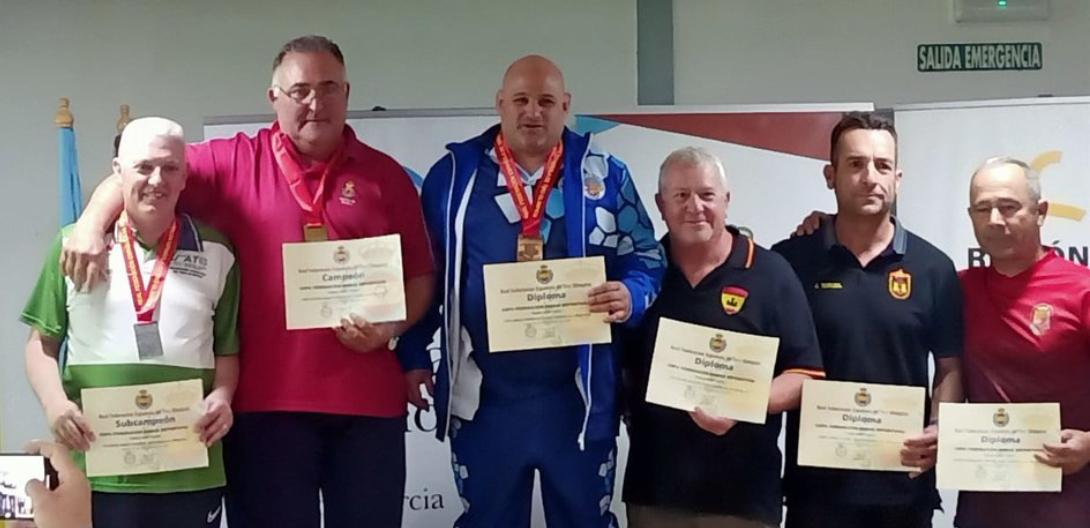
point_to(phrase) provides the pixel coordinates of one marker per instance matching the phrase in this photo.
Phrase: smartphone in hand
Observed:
(16, 470)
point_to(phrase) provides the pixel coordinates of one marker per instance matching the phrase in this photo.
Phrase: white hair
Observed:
(692, 157)
(1033, 179)
(139, 131)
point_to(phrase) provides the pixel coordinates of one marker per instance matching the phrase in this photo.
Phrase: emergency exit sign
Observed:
(1011, 56)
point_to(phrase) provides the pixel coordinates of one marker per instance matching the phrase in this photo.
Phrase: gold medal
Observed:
(315, 233)
(530, 248)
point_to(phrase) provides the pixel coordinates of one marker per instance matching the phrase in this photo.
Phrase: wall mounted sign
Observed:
(1012, 56)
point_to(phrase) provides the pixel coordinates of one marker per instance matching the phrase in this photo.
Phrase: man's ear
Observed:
(830, 176)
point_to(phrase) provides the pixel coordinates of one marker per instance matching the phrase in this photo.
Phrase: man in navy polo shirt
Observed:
(693, 469)
(883, 299)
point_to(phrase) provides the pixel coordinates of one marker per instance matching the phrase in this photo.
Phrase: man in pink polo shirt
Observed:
(1027, 339)
(316, 410)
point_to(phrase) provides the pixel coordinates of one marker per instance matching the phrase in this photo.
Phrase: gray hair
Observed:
(1033, 180)
(689, 157)
(141, 131)
(306, 44)
(309, 44)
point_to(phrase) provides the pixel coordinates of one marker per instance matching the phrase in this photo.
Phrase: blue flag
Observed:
(71, 196)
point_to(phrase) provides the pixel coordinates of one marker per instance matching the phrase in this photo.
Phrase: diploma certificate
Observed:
(144, 428)
(727, 374)
(326, 281)
(990, 447)
(849, 425)
(543, 304)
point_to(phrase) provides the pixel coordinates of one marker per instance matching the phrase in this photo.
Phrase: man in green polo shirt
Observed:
(167, 313)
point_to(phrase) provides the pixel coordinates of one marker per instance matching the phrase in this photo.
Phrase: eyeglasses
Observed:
(305, 93)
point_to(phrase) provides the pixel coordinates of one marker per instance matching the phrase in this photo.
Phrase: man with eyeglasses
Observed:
(1027, 339)
(316, 410)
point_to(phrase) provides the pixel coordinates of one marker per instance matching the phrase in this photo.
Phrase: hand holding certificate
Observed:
(144, 428)
(327, 281)
(991, 447)
(543, 304)
(863, 426)
(727, 374)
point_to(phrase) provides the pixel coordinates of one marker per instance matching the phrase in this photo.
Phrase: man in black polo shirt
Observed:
(692, 469)
(882, 299)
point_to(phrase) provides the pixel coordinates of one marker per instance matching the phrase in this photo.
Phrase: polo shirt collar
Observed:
(896, 247)
(189, 237)
(741, 255)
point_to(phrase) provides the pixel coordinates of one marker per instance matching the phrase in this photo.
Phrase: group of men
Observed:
(322, 411)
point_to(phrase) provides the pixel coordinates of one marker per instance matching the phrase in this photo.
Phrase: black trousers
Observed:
(833, 515)
(194, 509)
(278, 462)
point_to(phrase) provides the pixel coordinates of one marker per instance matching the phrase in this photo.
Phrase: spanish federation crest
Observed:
(1040, 319)
(544, 275)
(900, 284)
(733, 298)
(1001, 418)
(862, 398)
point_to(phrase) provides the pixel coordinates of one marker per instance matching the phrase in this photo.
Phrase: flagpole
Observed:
(63, 118)
(121, 123)
(70, 196)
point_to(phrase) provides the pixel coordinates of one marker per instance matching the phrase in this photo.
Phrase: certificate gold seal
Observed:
(143, 400)
(862, 398)
(341, 255)
(718, 343)
(1001, 418)
(544, 275)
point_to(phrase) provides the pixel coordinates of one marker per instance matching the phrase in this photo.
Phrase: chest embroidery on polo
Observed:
(1040, 319)
(348, 193)
(190, 263)
(900, 284)
(733, 298)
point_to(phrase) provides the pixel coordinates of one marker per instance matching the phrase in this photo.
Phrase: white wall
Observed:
(199, 58)
(785, 51)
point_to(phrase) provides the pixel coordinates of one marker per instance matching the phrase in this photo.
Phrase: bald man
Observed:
(1027, 339)
(529, 189)
(167, 313)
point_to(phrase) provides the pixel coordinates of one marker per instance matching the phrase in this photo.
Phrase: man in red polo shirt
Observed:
(316, 410)
(1027, 339)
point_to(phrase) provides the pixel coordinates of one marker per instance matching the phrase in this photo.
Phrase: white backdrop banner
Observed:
(773, 156)
(942, 144)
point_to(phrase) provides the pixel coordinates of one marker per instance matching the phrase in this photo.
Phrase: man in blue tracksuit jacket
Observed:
(552, 410)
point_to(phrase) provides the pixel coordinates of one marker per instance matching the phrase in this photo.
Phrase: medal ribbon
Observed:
(313, 205)
(145, 299)
(531, 217)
